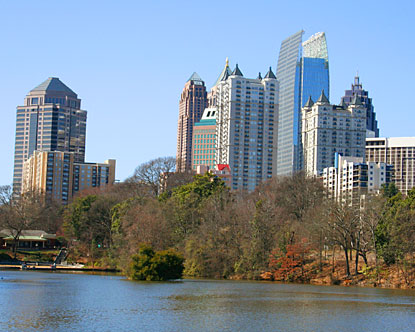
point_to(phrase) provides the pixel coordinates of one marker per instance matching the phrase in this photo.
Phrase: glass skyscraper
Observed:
(302, 71)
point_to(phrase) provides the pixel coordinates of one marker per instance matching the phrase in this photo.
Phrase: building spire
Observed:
(323, 99)
(237, 71)
(309, 102)
(270, 74)
(356, 78)
(226, 72)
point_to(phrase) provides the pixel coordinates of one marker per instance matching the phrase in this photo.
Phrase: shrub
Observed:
(5, 257)
(156, 266)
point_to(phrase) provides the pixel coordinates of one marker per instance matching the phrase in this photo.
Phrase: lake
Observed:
(58, 301)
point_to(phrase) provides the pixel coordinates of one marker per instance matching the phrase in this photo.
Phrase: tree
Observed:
(396, 230)
(89, 219)
(149, 174)
(389, 190)
(27, 212)
(341, 226)
(370, 217)
(184, 207)
(288, 264)
(155, 266)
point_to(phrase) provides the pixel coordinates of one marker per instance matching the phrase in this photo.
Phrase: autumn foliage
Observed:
(287, 264)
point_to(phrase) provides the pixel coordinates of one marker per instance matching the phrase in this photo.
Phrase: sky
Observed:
(129, 60)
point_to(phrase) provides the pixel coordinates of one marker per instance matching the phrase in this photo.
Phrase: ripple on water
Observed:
(33, 301)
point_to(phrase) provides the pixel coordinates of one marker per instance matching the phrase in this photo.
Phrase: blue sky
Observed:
(128, 61)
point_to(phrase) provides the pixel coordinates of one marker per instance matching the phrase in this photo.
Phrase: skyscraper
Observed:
(204, 140)
(193, 101)
(357, 89)
(56, 175)
(50, 120)
(328, 129)
(399, 152)
(314, 68)
(246, 127)
(302, 72)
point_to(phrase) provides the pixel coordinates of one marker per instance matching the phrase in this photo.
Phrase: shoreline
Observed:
(315, 282)
(50, 267)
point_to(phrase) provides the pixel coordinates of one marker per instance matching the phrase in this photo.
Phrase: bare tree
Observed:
(149, 174)
(26, 212)
(341, 227)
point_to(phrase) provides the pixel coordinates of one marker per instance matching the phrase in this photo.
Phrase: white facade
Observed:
(246, 128)
(327, 129)
(351, 178)
(399, 152)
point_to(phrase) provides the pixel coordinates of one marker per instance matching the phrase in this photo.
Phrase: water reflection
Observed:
(34, 301)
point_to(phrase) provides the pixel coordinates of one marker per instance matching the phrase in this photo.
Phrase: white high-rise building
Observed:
(246, 127)
(399, 152)
(350, 178)
(327, 129)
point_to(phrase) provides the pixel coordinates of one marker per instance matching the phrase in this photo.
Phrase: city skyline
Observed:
(119, 73)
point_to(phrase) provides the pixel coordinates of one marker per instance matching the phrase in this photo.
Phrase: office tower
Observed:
(302, 71)
(50, 120)
(56, 175)
(399, 152)
(327, 129)
(246, 127)
(357, 89)
(314, 68)
(193, 101)
(351, 178)
(204, 140)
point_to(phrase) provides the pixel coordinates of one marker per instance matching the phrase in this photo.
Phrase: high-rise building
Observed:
(56, 175)
(357, 89)
(50, 120)
(303, 71)
(226, 72)
(193, 101)
(246, 127)
(314, 68)
(351, 178)
(204, 140)
(399, 152)
(327, 129)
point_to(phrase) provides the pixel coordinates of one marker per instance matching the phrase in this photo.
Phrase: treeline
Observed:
(287, 229)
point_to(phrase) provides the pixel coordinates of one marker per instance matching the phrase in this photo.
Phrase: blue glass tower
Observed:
(302, 71)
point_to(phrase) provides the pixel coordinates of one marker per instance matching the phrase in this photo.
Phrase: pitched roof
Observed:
(53, 84)
(237, 71)
(27, 234)
(195, 77)
(309, 102)
(224, 74)
(221, 167)
(270, 74)
(323, 99)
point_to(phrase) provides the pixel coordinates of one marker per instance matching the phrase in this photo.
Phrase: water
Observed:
(45, 301)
